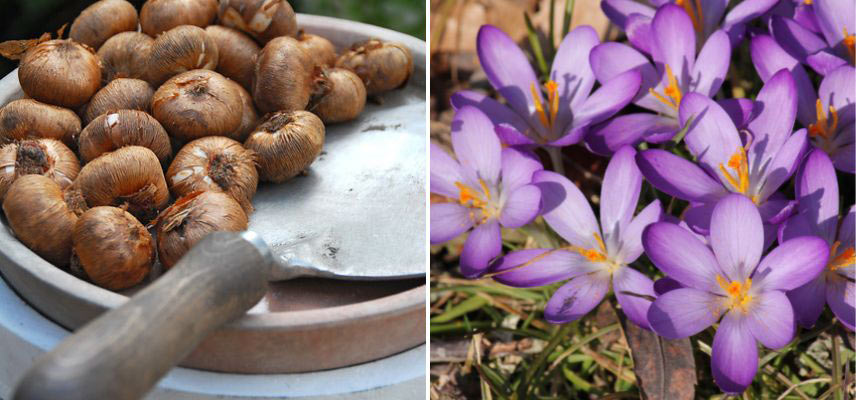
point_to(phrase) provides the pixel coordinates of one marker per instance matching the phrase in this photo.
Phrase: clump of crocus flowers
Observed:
(754, 242)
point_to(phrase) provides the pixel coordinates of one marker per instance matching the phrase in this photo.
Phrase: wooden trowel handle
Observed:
(123, 353)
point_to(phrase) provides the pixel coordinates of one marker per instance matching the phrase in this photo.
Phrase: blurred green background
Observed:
(27, 19)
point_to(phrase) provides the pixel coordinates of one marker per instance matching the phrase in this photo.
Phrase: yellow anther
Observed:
(594, 255)
(539, 107)
(738, 292)
(553, 94)
(822, 127)
(808, 2)
(547, 116)
(846, 258)
(739, 163)
(672, 91)
(850, 44)
(470, 197)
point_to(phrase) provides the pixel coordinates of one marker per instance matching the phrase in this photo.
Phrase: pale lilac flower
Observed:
(829, 113)
(487, 187)
(824, 43)
(817, 192)
(674, 71)
(731, 282)
(597, 256)
(570, 106)
(755, 165)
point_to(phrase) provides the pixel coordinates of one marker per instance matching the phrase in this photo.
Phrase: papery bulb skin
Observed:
(158, 16)
(125, 55)
(60, 72)
(31, 119)
(262, 19)
(120, 94)
(179, 50)
(345, 97)
(237, 54)
(196, 104)
(114, 130)
(286, 143)
(383, 66)
(102, 20)
(46, 157)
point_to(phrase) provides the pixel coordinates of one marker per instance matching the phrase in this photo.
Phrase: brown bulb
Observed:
(60, 72)
(286, 144)
(283, 77)
(114, 249)
(181, 49)
(46, 157)
(123, 128)
(237, 53)
(320, 49)
(128, 177)
(158, 16)
(125, 55)
(120, 94)
(383, 66)
(215, 163)
(192, 218)
(249, 117)
(38, 214)
(344, 99)
(196, 104)
(30, 119)
(101, 20)
(261, 19)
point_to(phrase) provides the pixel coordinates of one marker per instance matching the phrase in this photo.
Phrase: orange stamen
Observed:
(672, 91)
(539, 107)
(738, 293)
(846, 258)
(739, 163)
(552, 103)
(850, 43)
(475, 200)
(822, 127)
(808, 2)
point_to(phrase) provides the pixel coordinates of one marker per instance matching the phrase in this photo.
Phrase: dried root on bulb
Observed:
(344, 98)
(46, 157)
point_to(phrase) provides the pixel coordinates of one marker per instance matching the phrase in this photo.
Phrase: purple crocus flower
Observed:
(634, 17)
(597, 256)
(487, 187)
(829, 113)
(832, 46)
(731, 282)
(817, 192)
(754, 167)
(676, 71)
(570, 106)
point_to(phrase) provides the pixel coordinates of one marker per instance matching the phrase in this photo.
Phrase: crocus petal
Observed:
(566, 209)
(674, 44)
(611, 59)
(483, 245)
(538, 267)
(631, 239)
(448, 220)
(572, 72)
(697, 217)
(712, 136)
(736, 236)
(848, 226)
(634, 292)
(845, 158)
(840, 294)
(619, 193)
(774, 124)
(769, 58)
(496, 111)
(518, 168)
(476, 144)
(795, 39)
(681, 256)
(618, 10)
(745, 11)
(783, 164)
(734, 359)
(712, 12)
(607, 100)
(627, 130)
(833, 16)
(521, 206)
(684, 312)
(816, 188)
(678, 177)
(791, 265)
(508, 70)
(824, 62)
(639, 34)
(510, 136)
(771, 319)
(711, 65)
(665, 285)
(808, 301)
(445, 171)
(836, 89)
(576, 298)
(741, 111)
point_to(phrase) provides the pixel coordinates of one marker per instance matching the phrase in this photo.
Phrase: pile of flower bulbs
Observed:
(743, 252)
(127, 97)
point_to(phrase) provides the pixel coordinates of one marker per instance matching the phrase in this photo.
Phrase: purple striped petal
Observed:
(539, 267)
(712, 136)
(774, 124)
(736, 236)
(795, 39)
(566, 209)
(678, 177)
(445, 171)
(611, 59)
(496, 111)
(783, 163)
(791, 265)
(628, 130)
(771, 319)
(673, 45)
(607, 100)
(631, 238)
(521, 206)
(769, 58)
(619, 193)
(816, 189)
(476, 144)
(741, 111)
(518, 168)
(681, 256)
(576, 298)
(634, 292)
(824, 62)
(448, 220)
(711, 65)
(482, 246)
(745, 11)
(572, 72)
(836, 89)
(684, 312)
(734, 359)
(639, 34)
(508, 70)
(833, 16)
(808, 301)
(840, 294)
(618, 10)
